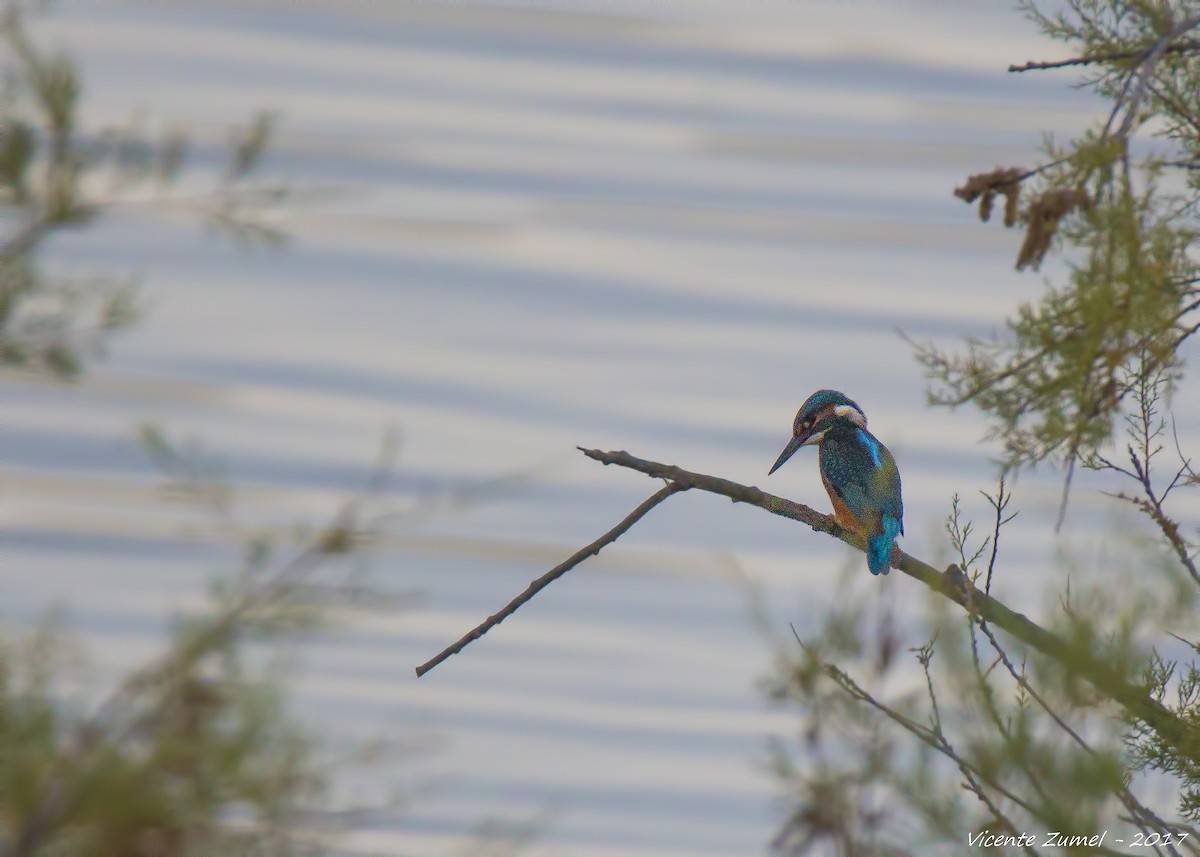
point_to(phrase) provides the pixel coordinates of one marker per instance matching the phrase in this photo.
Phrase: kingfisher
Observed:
(859, 473)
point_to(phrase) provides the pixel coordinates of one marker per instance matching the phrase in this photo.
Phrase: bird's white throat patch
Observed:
(853, 414)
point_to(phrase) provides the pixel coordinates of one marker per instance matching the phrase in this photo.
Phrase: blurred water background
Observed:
(645, 226)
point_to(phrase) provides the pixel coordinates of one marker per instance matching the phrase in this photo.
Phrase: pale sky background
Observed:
(645, 226)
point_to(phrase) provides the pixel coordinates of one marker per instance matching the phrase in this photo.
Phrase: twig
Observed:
(1187, 462)
(1180, 47)
(1181, 110)
(925, 656)
(552, 575)
(1049, 165)
(999, 503)
(1072, 457)
(1146, 70)
(1152, 503)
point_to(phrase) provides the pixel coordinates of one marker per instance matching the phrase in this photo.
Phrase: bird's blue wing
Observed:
(887, 488)
(863, 473)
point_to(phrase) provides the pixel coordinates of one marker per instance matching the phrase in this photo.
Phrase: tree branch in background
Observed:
(1185, 46)
(931, 736)
(935, 740)
(1145, 71)
(1143, 817)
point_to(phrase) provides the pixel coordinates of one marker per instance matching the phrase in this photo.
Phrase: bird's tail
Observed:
(879, 546)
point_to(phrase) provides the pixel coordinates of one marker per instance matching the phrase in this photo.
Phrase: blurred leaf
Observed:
(154, 441)
(249, 146)
(63, 360)
(119, 311)
(132, 156)
(56, 84)
(17, 148)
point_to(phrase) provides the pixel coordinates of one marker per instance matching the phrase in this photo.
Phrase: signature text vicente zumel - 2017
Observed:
(1057, 839)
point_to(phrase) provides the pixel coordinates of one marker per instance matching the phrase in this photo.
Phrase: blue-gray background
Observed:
(644, 226)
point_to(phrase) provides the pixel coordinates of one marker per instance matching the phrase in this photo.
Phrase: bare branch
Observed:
(925, 656)
(552, 575)
(951, 584)
(1000, 504)
(1183, 165)
(1079, 659)
(1181, 47)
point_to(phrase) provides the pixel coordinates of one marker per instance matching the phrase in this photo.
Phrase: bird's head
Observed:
(820, 412)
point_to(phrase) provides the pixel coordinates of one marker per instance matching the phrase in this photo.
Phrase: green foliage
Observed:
(16, 153)
(249, 145)
(159, 772)
(1177, 685)
(196, 750)
(1056, 382)
(53, 325)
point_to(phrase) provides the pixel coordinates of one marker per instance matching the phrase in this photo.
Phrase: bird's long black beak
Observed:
(795, 443)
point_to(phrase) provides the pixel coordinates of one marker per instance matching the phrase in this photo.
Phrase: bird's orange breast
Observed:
(841, 511)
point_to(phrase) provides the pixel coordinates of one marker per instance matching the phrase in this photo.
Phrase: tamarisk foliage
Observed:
(195, 750)
(1124, 212)
(50, 170)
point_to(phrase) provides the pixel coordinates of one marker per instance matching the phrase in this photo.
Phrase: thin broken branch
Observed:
(549, 577)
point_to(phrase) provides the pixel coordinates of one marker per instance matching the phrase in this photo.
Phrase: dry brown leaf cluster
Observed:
(1041, 218)
(985, 186)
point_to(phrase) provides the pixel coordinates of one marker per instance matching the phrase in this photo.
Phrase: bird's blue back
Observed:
(862, 472)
